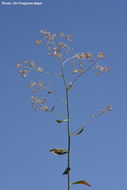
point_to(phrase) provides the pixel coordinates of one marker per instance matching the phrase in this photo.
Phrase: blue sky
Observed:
(99, 155)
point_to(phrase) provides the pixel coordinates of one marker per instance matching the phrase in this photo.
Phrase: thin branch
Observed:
(68, 59)
(59, 97)
(83, 73)
(50, 73)
(59, 114)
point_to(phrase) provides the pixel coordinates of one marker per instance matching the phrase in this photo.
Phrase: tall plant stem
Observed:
(68, 123)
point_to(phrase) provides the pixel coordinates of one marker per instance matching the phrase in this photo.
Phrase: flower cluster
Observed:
(82, 56)
(36, 86)
(101, 55)
(23, 73)
(86, 58)
(102, 69)
(57, 50)
(48, 35)
(105, 110)
(28, 66)
(82, 62)
(37, 100)
(79, 61)
(39, 103)
(38, 42)
(55, 46)
(66, 37)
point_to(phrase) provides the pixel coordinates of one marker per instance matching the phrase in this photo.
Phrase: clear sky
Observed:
(99, 155)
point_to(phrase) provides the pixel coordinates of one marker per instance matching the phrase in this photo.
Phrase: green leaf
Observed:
(82, 182)
(60, 121)
(58, 151)
(77, 132)
(52, 108)
(67, 171)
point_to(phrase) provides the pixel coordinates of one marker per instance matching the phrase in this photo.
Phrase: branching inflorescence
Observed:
(57, 45)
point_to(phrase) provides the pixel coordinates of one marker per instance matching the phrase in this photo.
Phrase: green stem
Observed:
(68, 122)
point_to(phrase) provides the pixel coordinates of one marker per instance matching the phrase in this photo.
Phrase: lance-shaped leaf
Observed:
(52, 108)
(82, 182)
(60, 121)
(77, 132)
(67, 171)
(58, 151)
